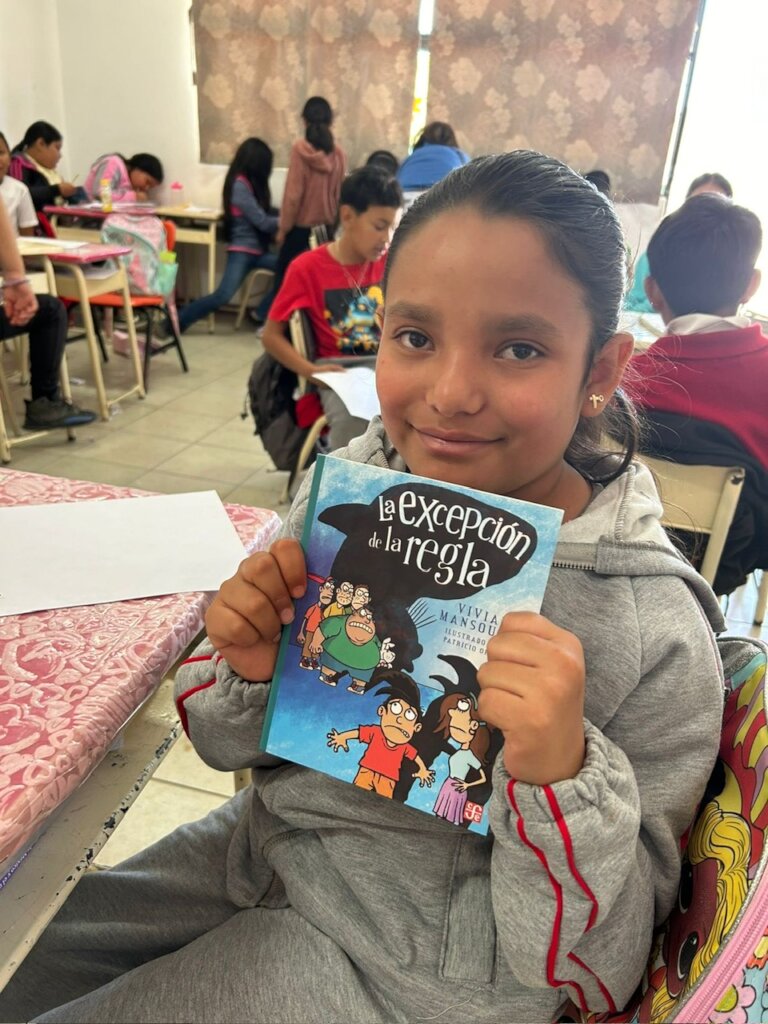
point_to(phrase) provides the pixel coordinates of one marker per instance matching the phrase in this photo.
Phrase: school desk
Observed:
(195, 225)
(78, 275)
(86, 716)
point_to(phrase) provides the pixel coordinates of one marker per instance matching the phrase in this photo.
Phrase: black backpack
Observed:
(270, 394)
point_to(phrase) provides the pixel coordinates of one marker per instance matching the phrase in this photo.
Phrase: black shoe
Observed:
(255, 319)
(48, 413)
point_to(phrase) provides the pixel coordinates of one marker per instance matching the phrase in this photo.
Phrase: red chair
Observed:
(145, 308)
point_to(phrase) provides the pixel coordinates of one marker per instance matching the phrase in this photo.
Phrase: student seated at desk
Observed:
(636, 299)
(130, 179)
(339, 287)
(435, 153)
(712, 364)
(44, 319)
(15, 196)
(249, 228)
(702, 385)
(34, 161)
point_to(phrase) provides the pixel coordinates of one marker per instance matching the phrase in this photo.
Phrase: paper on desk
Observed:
(60, 244)
(356, 387)
(91, 552)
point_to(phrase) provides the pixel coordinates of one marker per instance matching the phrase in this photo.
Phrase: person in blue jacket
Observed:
(435, 153)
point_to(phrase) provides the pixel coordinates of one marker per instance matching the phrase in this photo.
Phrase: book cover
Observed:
(376, 677)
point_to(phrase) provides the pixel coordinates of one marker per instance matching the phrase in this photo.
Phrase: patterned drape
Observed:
(592, 82)
(259, 61)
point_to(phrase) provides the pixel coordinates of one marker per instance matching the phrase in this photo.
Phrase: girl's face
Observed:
(482, 366)
(5, 159)
(141, 180)
(47, 154)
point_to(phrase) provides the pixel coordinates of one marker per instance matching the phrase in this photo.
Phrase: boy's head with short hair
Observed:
(702, 258)
(369, 206)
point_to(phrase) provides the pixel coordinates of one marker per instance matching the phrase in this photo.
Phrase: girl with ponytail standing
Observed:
(316, 168)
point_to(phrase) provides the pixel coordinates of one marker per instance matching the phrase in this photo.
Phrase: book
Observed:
(376, 678)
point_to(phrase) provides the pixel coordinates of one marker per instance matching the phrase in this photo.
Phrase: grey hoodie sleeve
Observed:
(221, 713)
(583, 869)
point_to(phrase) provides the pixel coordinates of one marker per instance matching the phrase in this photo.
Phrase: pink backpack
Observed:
(149, 272)
(709, 961)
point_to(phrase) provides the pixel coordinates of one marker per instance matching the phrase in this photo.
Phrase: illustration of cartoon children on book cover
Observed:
(376, 677)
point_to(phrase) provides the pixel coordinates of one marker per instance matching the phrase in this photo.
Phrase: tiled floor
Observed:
(188, 435)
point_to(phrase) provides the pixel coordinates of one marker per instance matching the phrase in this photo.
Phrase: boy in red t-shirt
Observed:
(338, 285)
(388, 742)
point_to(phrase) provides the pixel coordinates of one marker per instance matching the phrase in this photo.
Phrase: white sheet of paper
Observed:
(356, 387)
(31, 246)
(91, 552)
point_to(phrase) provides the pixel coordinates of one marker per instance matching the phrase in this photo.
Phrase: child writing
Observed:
(130, 179)
(249, 226)
(307, 899)
(34, 161)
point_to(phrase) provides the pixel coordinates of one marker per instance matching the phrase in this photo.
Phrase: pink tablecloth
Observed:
(71, 678)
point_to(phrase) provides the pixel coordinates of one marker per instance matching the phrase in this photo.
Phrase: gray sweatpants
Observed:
(175, 934)
(341, 426)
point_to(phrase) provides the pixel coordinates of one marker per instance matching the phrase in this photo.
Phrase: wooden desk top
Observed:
(61, 251)
(93, 211)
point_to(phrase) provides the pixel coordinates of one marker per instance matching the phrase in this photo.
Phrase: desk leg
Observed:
(211, 272)
(132, 340)
(90, 336)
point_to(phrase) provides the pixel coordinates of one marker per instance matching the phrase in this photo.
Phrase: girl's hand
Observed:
(532, 688)
(247, 614)
(19, 302)
(67, 189)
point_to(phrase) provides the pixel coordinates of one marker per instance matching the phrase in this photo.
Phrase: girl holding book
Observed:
(305, 898)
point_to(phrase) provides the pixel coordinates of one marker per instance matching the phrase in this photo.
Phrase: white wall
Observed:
(112, 75)
(30, 68)
(127, 83)
(725, 125)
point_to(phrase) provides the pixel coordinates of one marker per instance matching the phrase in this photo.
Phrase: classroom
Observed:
(237, 189)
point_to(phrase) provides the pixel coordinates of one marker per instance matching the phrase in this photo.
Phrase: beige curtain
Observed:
(259, 61)
(592, 82)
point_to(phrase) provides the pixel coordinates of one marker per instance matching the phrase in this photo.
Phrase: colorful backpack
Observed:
(709, 961)
(147, 265)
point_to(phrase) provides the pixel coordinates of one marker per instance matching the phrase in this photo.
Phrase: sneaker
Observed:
(356, 688)
(48, 413)
(329, 678)
(256, 320)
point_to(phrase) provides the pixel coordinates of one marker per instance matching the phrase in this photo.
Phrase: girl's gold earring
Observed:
(596, 400)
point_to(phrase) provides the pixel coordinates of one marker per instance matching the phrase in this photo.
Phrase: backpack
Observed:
(709, 960)
(147, 269)
(270, 394)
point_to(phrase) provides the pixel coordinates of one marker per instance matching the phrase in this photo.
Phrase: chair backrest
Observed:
(170, 235)
(302, 340)
(318, 235)
(699, 499)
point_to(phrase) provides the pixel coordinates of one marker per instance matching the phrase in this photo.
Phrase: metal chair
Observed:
(701, 500)
(265, 278)
(146, 307)
(303, 342)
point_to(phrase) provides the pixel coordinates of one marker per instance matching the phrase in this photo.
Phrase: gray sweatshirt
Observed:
(560, 900)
